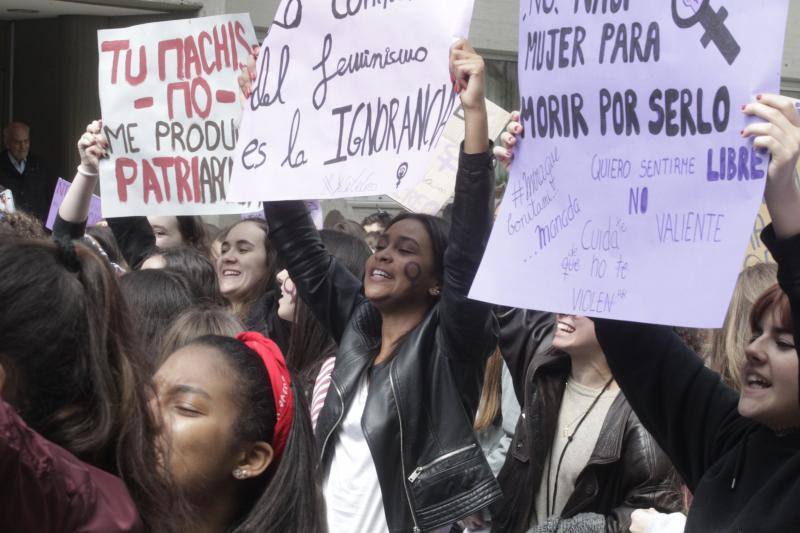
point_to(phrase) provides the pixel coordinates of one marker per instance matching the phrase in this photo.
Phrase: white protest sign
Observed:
(433, 192)
(170, 105)
(351, 98)
(632, 194)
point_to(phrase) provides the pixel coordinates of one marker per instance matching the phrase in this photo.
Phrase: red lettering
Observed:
(163, 48)
(182, 180)
(171, 89)
(242, 40)
(205, 111)
(208, 68)
(191, 57)
(221, 47)
(164, 163)
(139, 78)
(116, 47)
(123, 182)
(150, 183)
(235, 62)
(198, 195)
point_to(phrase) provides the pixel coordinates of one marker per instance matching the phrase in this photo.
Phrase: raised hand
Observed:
(780, 135)
(467, 71)
(92, 146)
(247, 75)
(508, 140)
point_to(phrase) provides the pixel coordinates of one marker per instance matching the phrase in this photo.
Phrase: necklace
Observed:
(565, 430)
(551, 509)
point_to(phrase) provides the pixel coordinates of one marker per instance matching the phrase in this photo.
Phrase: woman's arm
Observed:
(467, 327)
(780, 134)
(135, 238)
(327, 287)
(74, 210)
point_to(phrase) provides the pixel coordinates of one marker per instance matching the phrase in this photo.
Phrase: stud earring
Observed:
(435, 291)
(240, 473)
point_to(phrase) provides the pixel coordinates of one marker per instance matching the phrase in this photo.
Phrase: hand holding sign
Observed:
(780, 134)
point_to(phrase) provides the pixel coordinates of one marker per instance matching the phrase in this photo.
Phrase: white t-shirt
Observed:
(352, 491)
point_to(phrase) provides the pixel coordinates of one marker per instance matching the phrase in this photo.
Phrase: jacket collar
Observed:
(608, 448)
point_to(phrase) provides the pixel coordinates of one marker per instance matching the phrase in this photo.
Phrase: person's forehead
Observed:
(19, 133)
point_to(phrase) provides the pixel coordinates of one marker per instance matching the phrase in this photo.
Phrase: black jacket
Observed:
(419, 411)
(33, 189)
(744, 476)
(626, 470)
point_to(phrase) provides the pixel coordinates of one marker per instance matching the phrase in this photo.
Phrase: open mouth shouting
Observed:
(754, 380)
(379, 275)
(564, 327)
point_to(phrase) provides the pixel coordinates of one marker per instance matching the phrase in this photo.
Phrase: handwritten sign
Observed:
(632, 194)
(62, 186)
(350, 100)
(169, 98)
(433, 192)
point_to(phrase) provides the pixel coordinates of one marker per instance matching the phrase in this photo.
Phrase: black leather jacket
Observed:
(418, 416)
(627, 470)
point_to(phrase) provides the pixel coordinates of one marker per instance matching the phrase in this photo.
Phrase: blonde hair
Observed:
(728, 343)
(197, 321)
(491, 395)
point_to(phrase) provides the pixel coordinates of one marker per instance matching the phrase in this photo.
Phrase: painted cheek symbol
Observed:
(413, 271)
(289, 288)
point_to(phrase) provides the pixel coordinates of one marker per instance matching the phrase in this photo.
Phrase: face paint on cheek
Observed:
(290, 289)
(413, 271)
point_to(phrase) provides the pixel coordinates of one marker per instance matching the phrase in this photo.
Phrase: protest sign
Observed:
(430, 194)
(170, 104)
(62, 186)
(632, 194)
(6, 201)
(350, 100)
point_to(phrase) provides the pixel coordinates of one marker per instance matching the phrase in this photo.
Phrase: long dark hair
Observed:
(438, 230)
(309, 342)
(198, 269)
(194, 233)
(155, 298)
(286, 498)
(75, 373)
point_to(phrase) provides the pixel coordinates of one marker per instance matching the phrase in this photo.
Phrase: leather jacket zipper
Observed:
(338, 421)
(402, 461)
(420, 469)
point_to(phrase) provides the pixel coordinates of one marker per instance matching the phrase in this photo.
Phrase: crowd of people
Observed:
(159, 374)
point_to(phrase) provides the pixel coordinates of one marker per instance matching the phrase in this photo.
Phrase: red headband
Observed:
(281, 382)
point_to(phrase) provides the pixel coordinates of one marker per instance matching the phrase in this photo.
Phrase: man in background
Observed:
(24, 173)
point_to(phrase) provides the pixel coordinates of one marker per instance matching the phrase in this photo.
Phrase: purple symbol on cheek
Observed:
(413, 271)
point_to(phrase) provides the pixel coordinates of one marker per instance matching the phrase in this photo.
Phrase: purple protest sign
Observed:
(62, 186)
(632, 194)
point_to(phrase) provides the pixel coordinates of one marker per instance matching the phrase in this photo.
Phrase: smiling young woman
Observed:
(395, 436)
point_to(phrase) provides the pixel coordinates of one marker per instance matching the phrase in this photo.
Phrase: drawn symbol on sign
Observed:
(401, 173)
(712, 22)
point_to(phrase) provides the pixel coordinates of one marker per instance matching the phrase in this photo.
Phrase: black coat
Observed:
(419, 411)
(33, 189)
(626, 470)
(744, 476)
